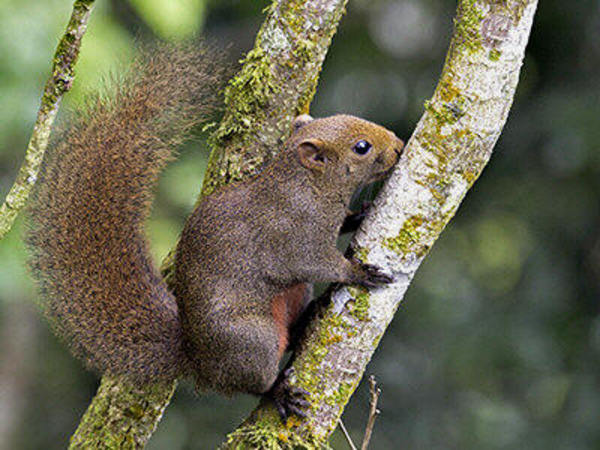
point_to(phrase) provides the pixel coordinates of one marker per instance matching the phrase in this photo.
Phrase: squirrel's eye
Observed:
(362, 147)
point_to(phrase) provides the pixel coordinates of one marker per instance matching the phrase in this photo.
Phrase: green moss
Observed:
(448, 113)
(304, 49)
(361, 253)
(467, 27)
(494, 54)
(470, 176)
(245, 96)
(328, 333)
(351, 333)
(376, 340)
(442, 140)
(448, 104)
(304, 52)
(135, 411)
(266, 436)
(359, 308)
(293, 15)
(345, 390)
(408, 238)
(342, 394)
(416, 233)
(446, 91)
(438, 113)
(247, 92)
(331, 330)
(269, 9)
(121, 415)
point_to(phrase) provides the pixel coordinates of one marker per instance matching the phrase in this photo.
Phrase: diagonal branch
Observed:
(448, 150)
(276, 82)
(59, 82)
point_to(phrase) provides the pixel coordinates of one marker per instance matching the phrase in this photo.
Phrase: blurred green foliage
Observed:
(173, 19)
(497, 344)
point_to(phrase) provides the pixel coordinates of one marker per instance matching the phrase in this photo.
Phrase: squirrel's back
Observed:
(100, 289)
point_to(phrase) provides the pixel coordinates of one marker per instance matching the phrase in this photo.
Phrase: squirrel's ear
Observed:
(300, 121)
(311, 156)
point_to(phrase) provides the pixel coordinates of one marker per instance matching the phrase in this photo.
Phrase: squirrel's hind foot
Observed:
(288, 399)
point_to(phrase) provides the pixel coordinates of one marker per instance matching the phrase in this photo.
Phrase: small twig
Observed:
(59, 82)
(347, 436)
(374, 393)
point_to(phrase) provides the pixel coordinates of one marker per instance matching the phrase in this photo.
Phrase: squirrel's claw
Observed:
(288, 399)
(296, 407)
(375, 276)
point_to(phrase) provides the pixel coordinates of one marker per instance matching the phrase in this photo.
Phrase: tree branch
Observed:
(276, 82)
(447, 152)
(374, 393)
(59, 82)
(121, 415)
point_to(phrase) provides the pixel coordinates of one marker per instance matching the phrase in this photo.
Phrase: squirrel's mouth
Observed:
(380, 175)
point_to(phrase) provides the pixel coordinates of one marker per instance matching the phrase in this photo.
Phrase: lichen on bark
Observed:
(129, 414)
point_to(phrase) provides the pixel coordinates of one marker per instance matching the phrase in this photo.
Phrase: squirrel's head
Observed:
(344, 148)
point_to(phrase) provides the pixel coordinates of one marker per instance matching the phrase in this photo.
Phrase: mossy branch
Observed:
(276, 82)
(59, 82)
(448, 150)
(121, 416)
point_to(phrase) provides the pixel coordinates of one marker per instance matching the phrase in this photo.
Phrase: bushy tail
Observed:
(89, 255)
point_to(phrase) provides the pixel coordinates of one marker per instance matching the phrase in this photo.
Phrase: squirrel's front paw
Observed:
(288, 399)
(373, 276)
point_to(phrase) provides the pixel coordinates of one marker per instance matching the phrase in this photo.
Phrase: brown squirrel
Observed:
(247, 254)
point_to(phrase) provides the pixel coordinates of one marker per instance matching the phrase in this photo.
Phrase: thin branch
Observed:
(59, 82)
(347, 435)
(374, 393)
(447, 152)
(276, 82)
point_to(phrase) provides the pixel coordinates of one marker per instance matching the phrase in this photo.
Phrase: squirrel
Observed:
(248, 253)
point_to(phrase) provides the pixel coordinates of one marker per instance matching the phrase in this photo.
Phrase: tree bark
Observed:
(447, 152)
(59, 82)
(276, 82)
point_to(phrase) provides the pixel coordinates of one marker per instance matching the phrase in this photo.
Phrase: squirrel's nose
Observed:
(398, 143)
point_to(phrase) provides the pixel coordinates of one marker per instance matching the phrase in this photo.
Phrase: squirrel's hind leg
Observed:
(250, 364)
(245, 355)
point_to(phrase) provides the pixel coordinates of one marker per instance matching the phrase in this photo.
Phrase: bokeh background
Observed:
(497, 343)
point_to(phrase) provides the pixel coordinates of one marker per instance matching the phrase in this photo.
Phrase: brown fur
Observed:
(286, 308)
(248, 253)
(100, 289)
(247, 243)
